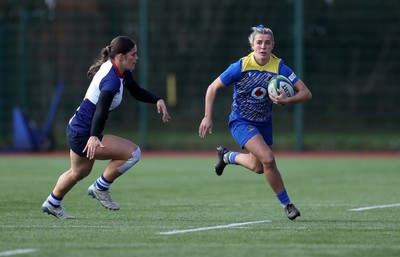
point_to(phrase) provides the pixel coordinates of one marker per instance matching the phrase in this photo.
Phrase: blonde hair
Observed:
(260, 29)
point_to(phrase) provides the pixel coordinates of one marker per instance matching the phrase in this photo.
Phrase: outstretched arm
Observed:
(137, 92)
(143, 95)
(207, 124)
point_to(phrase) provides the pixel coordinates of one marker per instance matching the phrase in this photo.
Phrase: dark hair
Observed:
(119, 45)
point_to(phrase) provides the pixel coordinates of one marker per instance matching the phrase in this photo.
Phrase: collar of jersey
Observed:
(116, 68)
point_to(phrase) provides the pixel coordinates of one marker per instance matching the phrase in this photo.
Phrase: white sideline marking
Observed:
(375, 207)
(213, 227)
(16, 251)
(54, 226)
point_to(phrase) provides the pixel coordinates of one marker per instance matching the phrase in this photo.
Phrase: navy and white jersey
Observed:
(107, 78)
(250, 97)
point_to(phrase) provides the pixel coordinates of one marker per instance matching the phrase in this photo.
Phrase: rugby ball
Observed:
(282, 83)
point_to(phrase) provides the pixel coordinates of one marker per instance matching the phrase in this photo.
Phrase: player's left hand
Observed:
(91, 146)
(161, 107)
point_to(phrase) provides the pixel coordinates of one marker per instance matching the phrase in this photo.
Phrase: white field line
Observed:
(375, 207)
(213, 227)
(55, 226)
(16, 251)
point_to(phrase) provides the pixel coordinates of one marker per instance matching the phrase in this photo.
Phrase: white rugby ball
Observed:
(282, 83)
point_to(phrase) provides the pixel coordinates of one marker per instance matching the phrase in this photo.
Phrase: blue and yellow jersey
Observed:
(250, 81)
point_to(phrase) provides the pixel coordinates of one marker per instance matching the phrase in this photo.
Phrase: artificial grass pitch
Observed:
(164, 194)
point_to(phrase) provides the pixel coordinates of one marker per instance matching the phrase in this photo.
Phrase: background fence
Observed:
(350, 62)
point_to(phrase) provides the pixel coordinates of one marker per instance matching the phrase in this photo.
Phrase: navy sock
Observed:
(102, 183)
(54, 200)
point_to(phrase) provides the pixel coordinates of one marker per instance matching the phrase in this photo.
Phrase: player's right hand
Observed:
(205, 126)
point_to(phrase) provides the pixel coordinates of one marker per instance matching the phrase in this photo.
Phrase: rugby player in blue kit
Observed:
(250, 121)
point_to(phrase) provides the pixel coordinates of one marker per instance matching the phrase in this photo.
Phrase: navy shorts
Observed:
(77, 142)
(242, 131)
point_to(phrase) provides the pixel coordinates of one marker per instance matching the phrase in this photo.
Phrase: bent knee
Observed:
(131, 161)
(268, 161)
(78, 175)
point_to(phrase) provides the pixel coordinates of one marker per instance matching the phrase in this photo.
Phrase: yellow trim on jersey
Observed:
(249, 63)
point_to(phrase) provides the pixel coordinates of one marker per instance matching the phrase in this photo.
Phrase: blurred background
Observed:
(347, 53)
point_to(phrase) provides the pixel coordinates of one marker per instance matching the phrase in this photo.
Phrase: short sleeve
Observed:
(110, 83)
(287, 72)
(232, 73)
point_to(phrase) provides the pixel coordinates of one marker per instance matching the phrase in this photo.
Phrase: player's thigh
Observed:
(115, 148)
(80, 166)
(259, 148)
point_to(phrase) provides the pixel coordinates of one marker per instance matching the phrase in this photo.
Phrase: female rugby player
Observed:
(111, 74)
(250, 121)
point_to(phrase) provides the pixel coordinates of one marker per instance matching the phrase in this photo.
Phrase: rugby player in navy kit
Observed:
(111, 74)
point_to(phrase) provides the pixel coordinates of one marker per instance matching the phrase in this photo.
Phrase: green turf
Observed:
(166, 194)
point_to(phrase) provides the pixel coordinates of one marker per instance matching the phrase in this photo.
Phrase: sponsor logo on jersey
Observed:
(258, 92)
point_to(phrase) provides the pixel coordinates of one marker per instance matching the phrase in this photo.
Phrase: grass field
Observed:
(177, 206)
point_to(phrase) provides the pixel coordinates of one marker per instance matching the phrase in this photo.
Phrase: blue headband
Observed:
(260, 26)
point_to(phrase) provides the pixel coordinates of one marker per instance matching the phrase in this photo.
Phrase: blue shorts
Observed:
(77, 142)
(242, 131)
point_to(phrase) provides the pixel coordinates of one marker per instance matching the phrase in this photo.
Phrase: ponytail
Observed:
(102, 59)
(118, 45)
